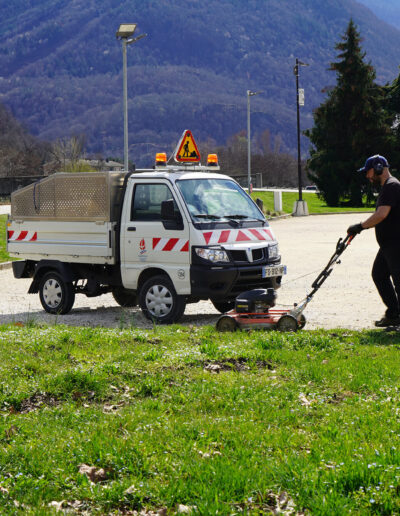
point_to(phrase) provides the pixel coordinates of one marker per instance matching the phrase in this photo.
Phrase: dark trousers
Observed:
(386, 276)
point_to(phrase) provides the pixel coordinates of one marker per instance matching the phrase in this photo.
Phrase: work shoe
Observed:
(387, 321)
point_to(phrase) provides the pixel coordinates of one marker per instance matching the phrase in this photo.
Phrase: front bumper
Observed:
(225, 283)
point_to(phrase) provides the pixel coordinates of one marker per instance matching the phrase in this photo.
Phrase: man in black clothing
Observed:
(386, 221)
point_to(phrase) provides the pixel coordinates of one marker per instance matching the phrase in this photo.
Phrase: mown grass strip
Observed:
(225, 424)
(4, 257)
(314, 203)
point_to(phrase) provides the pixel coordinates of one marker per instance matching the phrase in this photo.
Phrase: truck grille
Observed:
(241, 255)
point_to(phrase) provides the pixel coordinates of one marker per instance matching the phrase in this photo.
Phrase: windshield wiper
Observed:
(206, 216)
(241, 217)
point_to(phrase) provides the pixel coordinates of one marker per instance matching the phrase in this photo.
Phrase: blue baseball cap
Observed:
(373, 161)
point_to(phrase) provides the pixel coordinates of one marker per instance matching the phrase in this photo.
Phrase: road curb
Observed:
(5, 265)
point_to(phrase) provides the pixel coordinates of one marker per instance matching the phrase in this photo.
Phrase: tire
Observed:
(160, 302)
(287, 323)
(301, 321)
(226, 323)
(223, 306)
(56, 295)
(124, 297)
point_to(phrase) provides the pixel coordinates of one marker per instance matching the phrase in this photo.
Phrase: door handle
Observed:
(132, 228)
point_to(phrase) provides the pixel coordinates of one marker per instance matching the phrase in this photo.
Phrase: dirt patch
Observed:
(36, 402)
(236, 364)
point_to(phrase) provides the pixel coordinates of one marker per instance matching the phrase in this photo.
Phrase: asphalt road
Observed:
(347, 299)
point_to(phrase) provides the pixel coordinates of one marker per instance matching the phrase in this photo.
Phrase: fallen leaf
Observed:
(94, 474)
(304, 401)
(11, 431)
(109, 409)
(213, 368)
(185, 509)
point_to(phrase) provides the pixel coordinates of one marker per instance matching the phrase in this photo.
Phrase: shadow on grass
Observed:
(385, 337)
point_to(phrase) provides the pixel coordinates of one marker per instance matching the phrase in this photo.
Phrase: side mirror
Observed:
(168, 210)
(169, 217)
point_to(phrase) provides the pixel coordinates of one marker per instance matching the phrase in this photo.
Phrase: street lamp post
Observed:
(300, 207)
(249, 94)
(125, 33)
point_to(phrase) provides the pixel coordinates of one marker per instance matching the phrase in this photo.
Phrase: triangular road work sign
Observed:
(186, 150)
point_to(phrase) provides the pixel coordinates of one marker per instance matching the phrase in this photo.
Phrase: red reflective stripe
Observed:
(241, 237)
(10, 234)
(155, 242)
(269, 233)
(22, 235)
(257, 234)
(185, 247)
(207, 236)
(170, 244)
(34, 237)
(224, 236)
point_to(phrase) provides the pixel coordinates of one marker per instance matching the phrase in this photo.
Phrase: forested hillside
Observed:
(20, 153)
(387, 10)
(60, 67)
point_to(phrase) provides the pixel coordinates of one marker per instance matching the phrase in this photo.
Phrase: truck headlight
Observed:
(273, 251)
(212, 254)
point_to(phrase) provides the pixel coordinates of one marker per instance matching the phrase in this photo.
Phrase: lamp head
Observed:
(126, 30)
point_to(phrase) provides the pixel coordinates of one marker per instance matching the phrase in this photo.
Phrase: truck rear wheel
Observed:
(56, 295)
(160, 302)
(124, 297)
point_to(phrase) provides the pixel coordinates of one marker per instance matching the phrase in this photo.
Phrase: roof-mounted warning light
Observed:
(212, 160)
(161, 159)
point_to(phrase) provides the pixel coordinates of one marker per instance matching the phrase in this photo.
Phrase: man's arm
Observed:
(380, 214)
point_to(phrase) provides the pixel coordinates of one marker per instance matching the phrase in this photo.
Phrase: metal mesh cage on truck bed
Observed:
(86, 196)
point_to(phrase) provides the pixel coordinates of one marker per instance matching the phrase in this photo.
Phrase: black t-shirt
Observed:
(388, 231)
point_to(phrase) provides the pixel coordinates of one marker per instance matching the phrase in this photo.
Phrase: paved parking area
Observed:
(347, 299)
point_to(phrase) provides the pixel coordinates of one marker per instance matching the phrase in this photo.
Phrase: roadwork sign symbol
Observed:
(186, 150)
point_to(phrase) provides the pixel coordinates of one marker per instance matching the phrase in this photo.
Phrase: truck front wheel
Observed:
(56, 295)
(160, 302)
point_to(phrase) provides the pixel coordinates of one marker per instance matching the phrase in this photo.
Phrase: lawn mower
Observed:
(254, 308)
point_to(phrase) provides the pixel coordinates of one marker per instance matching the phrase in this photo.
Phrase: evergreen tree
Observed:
(392, 105)
(349, 126)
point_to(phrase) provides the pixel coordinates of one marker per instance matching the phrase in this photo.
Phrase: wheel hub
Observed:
(52, 293)
(159, 300)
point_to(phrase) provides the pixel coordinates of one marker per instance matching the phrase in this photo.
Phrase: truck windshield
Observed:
(217, 199)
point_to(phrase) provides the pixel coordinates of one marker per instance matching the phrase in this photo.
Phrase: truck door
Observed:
(148, 242)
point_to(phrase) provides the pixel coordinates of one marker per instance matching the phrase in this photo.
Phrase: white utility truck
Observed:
(160, 238)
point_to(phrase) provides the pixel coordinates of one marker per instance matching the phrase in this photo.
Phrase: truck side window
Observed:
(146, 201)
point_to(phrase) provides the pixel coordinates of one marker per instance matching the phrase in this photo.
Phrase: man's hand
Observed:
(355, 229)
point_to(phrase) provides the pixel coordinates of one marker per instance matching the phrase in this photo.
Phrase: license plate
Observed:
(276, 270)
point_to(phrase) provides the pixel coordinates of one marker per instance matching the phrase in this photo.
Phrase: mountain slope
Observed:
(61, 66)
(386, 10)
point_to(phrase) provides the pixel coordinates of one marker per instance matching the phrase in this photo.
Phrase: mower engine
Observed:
(257, 301)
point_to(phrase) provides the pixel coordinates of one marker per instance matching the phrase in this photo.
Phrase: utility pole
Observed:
(300, 206)
(124, 34)
(249, 94)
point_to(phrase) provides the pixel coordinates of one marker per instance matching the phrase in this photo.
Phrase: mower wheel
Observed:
(226, 323)
(301, 321)
(287, 323)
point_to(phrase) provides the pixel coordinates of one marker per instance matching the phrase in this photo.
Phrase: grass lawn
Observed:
(4, 257)
(314, 203)
(109, 421)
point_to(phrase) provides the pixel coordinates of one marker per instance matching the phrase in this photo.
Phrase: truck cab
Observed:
(198, 231)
